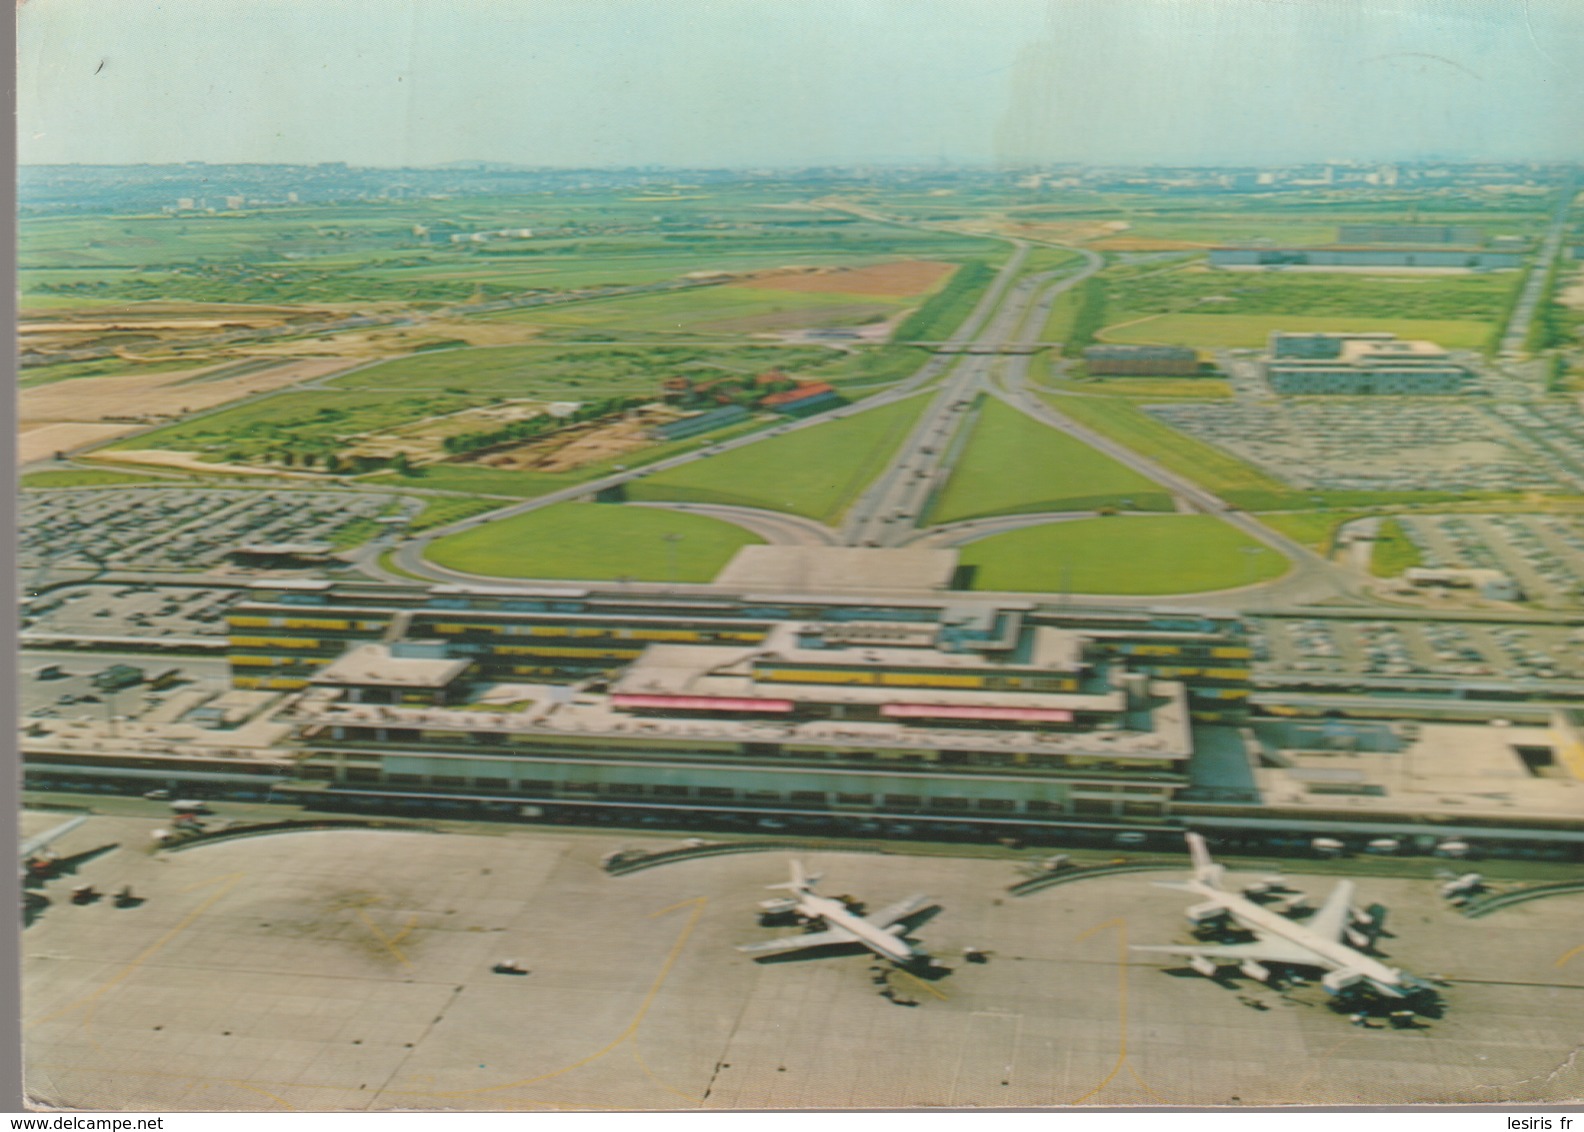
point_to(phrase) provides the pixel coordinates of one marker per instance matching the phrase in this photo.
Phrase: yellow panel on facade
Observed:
(1227, 673)
(1229, 652)
(316, 623)
(250, 622)
(254, 661)
(244, 681)
(808, 676)
(1155, 650)
(285, 684)
(930, 680)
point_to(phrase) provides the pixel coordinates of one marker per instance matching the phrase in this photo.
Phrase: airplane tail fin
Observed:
(801, 879)
(1205, 870)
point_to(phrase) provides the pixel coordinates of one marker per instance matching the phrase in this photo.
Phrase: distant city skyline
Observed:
(756, 83)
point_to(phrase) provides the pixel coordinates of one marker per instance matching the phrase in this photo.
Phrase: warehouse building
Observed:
(1360, 364)
(1141, 361)
(1473, 259)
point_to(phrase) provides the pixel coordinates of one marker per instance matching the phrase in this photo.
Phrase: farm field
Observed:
(1122, 554)
(817, 472)
(597, 541)
(1187, 303)
(1247, 331)
(726, 310)
(1014, 465)
(574, 373)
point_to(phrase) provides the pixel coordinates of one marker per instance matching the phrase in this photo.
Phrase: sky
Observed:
(732, 83)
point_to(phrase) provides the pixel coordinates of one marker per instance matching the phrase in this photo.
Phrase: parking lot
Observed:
(62, 685)
(134, 610)
(1544, 554)
(1420, 444)
(184, 529)
(1420, 648)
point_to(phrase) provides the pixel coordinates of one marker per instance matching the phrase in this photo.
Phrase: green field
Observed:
(1393, 551)
(92, 477)
(369, 250)
(1014, 465)
(1207, 331)
(1122, 554)
(714, 311)
(949, 307)
(1315, 529)
(595, 541)
(817, 472)
(563, 372)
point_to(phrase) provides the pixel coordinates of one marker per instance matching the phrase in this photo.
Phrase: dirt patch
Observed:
(849, 314)
(1063, 231)
(41, 441)
(903, 279)
(1571, 293)
(579, 445)
(424, 441)
(141, 398)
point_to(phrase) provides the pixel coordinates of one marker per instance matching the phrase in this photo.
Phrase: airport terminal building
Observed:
(804, 706)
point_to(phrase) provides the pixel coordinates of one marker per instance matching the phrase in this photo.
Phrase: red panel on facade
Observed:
(700, 703)
(937, 711)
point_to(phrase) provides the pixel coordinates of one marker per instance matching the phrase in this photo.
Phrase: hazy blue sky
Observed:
(787, 82)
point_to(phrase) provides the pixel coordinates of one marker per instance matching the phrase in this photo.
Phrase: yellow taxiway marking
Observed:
(1120, 924)
(698, 904)
(936, 991)
(390, 941)
(1122, 1003)
(227, 883)
(1569, 954)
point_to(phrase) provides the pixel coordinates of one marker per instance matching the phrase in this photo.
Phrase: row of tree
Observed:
(527, 429)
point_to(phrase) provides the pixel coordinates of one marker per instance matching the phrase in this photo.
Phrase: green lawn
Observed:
(1014, 465)
(1206, 331)
(715, 311)
(1315, 529)
(91, 477)
(1122, 554)
(596, 541)
(817, 472)
(1393, 551)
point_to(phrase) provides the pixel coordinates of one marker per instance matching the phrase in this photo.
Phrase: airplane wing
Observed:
(1332, 917)
(891, 913)
(789, 943)
(39, 841)
(1261, 950)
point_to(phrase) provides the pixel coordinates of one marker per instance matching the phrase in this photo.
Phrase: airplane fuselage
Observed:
(836, 915)
(1327, 953)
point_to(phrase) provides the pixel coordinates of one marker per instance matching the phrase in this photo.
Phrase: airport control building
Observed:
(795, 705)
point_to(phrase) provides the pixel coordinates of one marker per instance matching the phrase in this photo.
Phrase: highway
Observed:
(409, 556)
(890, 511)
(1517, 332)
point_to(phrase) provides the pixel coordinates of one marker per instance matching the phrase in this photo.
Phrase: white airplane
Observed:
(1327, 940)
(35, 845)
(880, 932)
